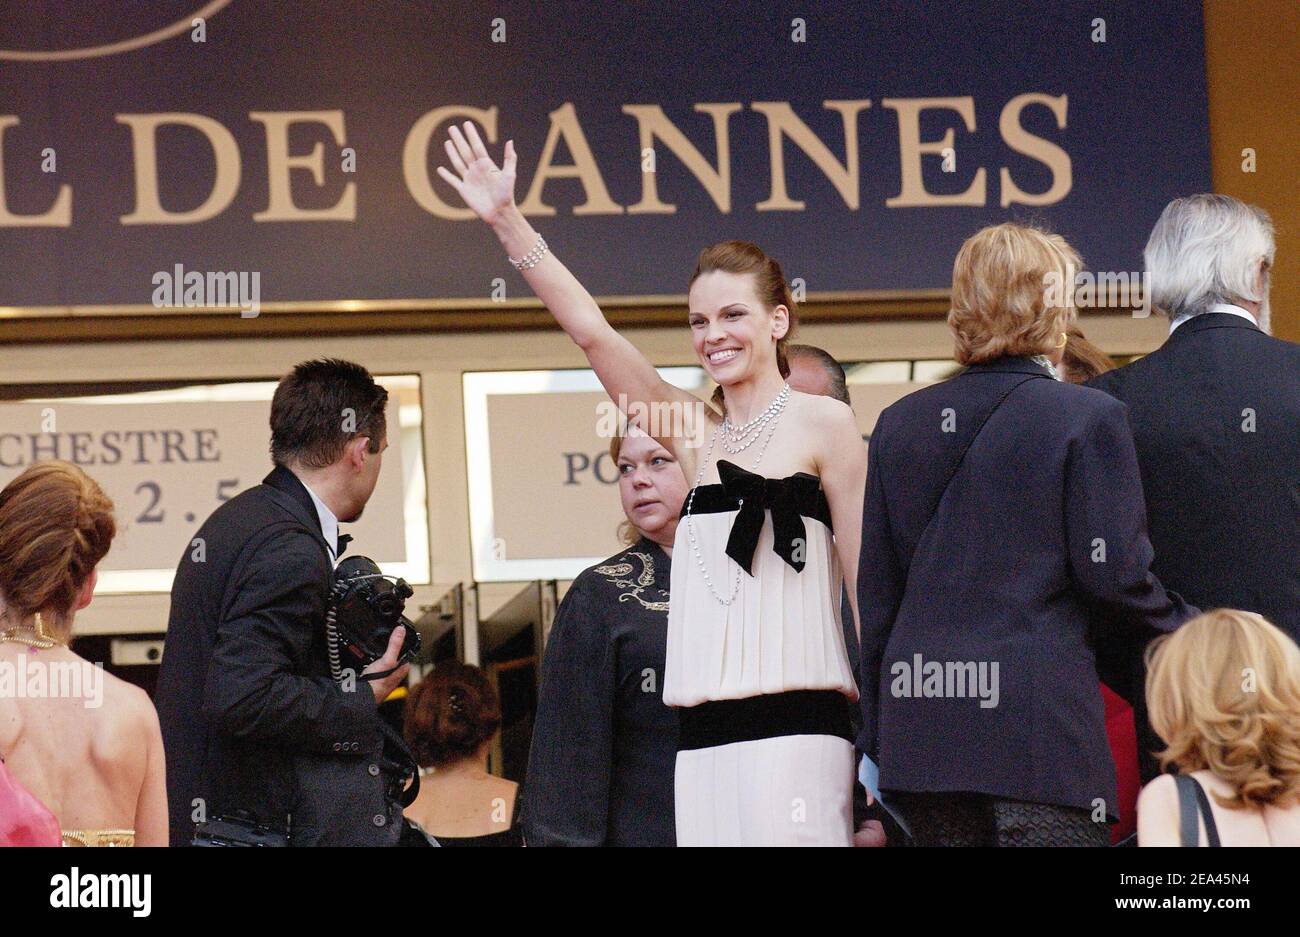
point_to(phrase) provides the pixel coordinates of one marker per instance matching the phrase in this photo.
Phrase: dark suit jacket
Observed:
(1223, 502)
(250, 717)
(1010, 573)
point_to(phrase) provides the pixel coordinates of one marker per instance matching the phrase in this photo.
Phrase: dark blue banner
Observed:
(293, 143)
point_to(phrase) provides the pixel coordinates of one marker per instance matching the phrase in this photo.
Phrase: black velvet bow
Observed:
(343, 541)
(757, 496)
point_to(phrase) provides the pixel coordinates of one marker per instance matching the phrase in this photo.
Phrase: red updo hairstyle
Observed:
(56, 524)
(450, 714)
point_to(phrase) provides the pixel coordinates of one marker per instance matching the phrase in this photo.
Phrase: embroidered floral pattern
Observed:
(620, 574)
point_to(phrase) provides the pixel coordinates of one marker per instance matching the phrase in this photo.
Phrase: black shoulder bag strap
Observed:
(961, 457)
(1192, 801)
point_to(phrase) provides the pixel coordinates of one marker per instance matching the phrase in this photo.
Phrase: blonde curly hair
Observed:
(1223, 693)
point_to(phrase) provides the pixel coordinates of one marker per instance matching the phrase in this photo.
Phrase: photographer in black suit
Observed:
(1215, 413)
(253, 725)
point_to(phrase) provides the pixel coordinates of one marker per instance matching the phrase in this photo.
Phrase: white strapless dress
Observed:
(782, 632)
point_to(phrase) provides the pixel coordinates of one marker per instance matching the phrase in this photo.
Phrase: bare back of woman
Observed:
(452, 717)
(84, 743)
(1269, 826)
(1223, 693)
(463, 804)
(95, 759)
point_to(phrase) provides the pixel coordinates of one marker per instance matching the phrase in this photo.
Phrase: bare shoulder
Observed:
(684, 432)
(134, 705)
(1157, 810)
(504, 785)
(833, 429)
(505, 790)
(1160, 796)
(824, 412)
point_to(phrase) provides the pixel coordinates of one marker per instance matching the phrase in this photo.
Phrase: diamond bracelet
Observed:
(533, 257)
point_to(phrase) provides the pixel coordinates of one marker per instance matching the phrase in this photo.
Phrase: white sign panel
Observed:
(169, 465)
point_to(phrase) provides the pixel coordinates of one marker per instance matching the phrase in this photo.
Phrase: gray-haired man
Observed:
(1216, 415)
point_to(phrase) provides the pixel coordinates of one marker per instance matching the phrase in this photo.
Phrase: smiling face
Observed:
(734, 334)
(652, 486)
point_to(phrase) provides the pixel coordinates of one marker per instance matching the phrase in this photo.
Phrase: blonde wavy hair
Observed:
(1012, 293)
(1223, 693)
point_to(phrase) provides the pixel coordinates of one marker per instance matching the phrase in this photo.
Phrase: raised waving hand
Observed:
(625, 373)
(487, 190)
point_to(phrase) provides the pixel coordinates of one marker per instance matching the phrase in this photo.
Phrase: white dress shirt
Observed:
(1217, 307)
(329, 524)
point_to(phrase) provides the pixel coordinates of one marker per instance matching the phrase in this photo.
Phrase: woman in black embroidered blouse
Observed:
(600, 772)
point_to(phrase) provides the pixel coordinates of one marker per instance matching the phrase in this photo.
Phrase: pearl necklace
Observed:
(736, 439)
(769, 419)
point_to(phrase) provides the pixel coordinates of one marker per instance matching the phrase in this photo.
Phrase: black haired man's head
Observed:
(321, 406)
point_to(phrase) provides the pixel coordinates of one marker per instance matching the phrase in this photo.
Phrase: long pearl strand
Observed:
(767, 420)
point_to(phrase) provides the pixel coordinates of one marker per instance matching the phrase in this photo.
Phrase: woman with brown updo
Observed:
(768, 541)
(93, 757)
(452, 716)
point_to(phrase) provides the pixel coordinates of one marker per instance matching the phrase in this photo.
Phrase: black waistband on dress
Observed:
(771, 715)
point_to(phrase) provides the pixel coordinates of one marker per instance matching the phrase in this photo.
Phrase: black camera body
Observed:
(365, 607)
(237, 830)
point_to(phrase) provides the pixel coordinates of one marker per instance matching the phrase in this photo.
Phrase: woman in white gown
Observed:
(755, 656)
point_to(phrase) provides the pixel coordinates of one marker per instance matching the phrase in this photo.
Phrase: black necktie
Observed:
(344, 540)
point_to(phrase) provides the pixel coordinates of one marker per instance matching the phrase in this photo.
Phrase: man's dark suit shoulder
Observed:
(1272, 359)
(1215, 412)
(256, 517)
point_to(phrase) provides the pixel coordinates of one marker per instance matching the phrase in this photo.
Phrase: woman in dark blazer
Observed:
(1004, 561)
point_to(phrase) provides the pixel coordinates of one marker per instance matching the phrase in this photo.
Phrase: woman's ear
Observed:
(87, 590)
(780, 322)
